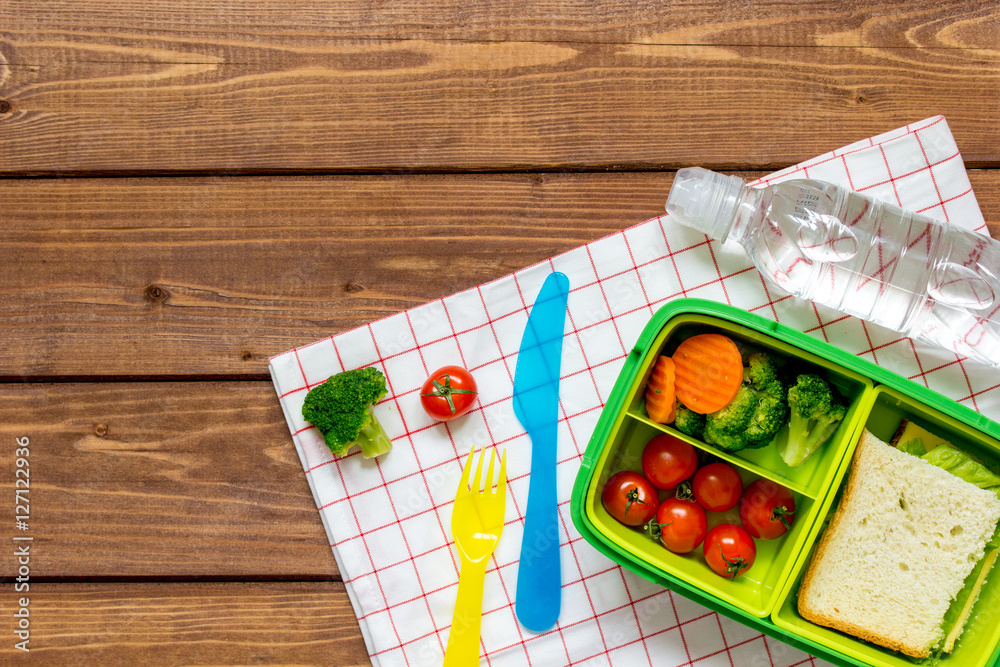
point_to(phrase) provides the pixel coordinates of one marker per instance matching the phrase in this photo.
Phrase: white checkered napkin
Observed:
(389, 519)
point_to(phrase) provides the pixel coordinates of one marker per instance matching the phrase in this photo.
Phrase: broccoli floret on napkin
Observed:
(341, 408)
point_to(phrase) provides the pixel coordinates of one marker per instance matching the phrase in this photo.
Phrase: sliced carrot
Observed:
(709, 370)
(661, 401)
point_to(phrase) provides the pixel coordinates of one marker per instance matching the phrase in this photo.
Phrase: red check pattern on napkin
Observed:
(389, 519)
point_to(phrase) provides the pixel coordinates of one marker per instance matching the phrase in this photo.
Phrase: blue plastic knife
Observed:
(536, 404)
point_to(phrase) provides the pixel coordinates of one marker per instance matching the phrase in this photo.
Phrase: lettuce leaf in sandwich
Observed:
(948, 457)
(961, 464)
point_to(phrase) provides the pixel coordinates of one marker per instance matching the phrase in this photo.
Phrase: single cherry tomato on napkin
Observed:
(717, 487)
(680, 524)
(729, 550)
(767, 509)
(448, 393)
(667, 461)
(630, 498)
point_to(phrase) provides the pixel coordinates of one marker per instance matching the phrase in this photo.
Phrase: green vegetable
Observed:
(962, 605)
(816, 411)
(341, 408)
(772, 409)
(957, 614)
(950, 458)
(914, 447)
(726, 428)
(761, 370)
(688, 421)
(962, 465)
(756, 413)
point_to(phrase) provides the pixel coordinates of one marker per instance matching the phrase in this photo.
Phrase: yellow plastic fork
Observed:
(476, 524)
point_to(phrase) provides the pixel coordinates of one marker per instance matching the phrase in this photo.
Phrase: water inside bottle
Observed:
(844, 251)
(881, 264)
(963, 310)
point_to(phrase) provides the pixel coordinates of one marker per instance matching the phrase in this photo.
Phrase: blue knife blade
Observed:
(536, 405)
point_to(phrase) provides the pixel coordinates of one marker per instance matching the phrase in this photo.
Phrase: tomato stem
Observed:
(733, 566)
(633, 497)
(685, 492)
(445, 390)
(656, 529)
(779, 513)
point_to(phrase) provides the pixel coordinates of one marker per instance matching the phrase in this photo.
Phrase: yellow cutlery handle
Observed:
(463, 639)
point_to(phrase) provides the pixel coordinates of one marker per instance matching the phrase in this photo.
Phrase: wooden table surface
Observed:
(187, 188)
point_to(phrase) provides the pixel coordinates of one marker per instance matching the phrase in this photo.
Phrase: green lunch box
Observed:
(764, 597)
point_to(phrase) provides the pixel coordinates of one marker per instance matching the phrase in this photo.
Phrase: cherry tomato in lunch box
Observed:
(729, 550)
(767, 509)
(630, 498)
(717, 487)
(667, 461)
(682, 525)
(448, 393)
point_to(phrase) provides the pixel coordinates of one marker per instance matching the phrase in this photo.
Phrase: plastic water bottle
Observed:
(924, 279)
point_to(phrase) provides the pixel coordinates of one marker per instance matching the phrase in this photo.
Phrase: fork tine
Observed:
(502, 483)
(463, 483)
(488, 488)
(477, 483)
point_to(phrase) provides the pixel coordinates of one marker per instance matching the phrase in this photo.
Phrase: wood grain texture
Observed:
(163, 480)
(193, 276)
(172, 521)
(430, 105)
(187, 624)
(949, 24)
(211, 276)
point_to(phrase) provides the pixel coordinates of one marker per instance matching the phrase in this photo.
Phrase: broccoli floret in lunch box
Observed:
(689, 422)
(726, 428)
(761, 371)
(816, 411)
(341, 408)
(756, 413)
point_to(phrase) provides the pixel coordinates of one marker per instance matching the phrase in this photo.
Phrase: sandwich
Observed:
(902, 560)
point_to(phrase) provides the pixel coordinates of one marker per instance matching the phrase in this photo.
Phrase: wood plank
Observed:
(291, 623)
(160, 480)
(195, 276)
(949, 23)
(186, 276)
(349, 105)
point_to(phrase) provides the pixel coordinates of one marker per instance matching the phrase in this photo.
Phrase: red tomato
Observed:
(717, 487)
(729, 550)
(667, 461)
(767, 509)
(448, 393)
(630, 498)
(682, 525)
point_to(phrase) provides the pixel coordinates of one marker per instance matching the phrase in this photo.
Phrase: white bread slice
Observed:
(900, 546)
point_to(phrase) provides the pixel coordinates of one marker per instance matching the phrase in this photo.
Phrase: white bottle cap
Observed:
(705, 200)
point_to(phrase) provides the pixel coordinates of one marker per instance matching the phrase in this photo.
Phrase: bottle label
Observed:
(806, 203)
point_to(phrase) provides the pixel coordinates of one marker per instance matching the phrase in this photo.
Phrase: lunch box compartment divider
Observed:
(814, 475)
